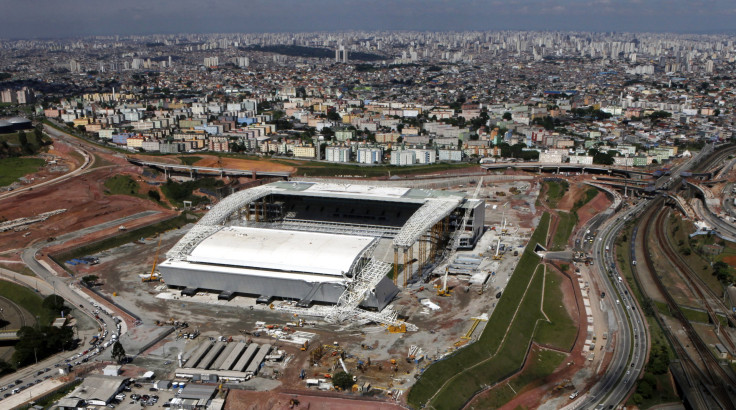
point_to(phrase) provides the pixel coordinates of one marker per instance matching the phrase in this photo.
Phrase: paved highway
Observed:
(629, 353)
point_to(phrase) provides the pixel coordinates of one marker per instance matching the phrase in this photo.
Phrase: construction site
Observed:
(378, 281)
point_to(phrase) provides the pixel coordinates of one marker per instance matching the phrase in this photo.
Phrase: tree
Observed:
(332, 115)
(342, 380)
(89, 280)
(507, 116)
(118, 352)
(55, 303)
(153, 194)
(23, 141)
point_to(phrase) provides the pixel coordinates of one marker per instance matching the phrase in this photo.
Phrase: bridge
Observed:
(684, 206)
(193, 170)
(9, 335)
(540, 166)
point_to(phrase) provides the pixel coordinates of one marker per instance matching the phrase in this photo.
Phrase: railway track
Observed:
(695, 284)
(17, 310)
(709, 375)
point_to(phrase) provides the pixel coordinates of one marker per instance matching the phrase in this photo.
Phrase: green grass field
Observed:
(679, 230)
(541, 363)
(13, 168)
(26, 298)
(489, 360)
(560, 331)
(695, 315)
(122, 185)
(564, 229)
(190, 160)
(555, 192)
(12, 138)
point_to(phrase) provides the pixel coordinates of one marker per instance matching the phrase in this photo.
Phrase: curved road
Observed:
(89, 160)
(630, 349)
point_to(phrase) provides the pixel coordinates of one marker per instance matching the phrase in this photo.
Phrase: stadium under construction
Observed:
(339, 246)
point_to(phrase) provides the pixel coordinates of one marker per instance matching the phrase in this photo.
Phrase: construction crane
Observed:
(504, 230)
(498, 255)
(154, 277)
(443, 291)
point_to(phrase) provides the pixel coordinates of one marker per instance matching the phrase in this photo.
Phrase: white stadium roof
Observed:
(272, 249)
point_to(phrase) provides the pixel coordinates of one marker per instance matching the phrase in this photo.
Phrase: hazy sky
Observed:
(71, 18)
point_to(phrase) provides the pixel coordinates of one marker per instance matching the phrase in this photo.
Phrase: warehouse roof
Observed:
(273, 249)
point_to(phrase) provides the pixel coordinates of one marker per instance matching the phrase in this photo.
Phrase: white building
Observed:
(370, 155)
(337, 154)
(451, 155)
(403, 158)
(425, 156)
(581, 159)
(551, 158)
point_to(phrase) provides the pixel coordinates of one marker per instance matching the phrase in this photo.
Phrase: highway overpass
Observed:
(208, 171)
(541, 167)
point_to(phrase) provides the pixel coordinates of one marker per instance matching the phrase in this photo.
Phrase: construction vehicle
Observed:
(397, 329)
(155, 276)
(444, 291)
(305, 346)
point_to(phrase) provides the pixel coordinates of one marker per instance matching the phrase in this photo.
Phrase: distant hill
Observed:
(314, 52)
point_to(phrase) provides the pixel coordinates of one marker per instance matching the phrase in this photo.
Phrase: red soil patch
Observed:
(731, 260)
(596, 205)
(573, 193)
(248, 164)
(84, 199)
(312, 400)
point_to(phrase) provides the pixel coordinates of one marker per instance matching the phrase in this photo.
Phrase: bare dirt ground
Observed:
(596, 205)
(574, 192)
(236, 163)
(84, 199)
(312, 400)
(731, 260)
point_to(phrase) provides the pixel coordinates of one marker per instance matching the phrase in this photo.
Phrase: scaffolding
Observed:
(433, 211)
(358, 289)
(215, 219)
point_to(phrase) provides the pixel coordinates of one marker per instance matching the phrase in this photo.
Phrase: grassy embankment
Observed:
(497, 354)
(13, 168)
(115, 241)
(27, 299)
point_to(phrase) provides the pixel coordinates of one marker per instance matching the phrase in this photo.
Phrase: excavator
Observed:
(155, 276)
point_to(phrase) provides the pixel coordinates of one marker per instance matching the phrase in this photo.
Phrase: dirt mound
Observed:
(249, 164)
(596, 205)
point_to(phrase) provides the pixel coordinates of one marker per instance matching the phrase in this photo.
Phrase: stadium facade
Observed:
(320, 243)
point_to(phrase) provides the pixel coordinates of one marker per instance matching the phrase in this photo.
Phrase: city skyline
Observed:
(76, 18)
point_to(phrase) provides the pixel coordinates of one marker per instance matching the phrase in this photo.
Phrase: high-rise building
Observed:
(341, 55)
(211, 61)
(74, 66)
